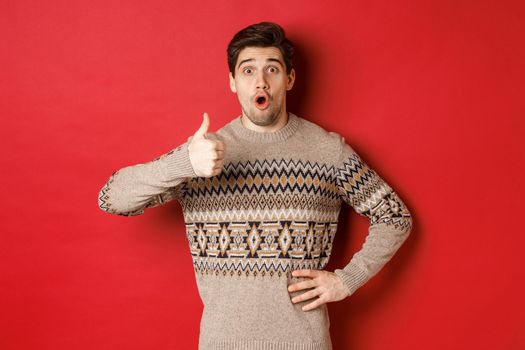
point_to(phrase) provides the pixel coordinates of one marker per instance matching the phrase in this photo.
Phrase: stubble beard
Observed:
(262, 118)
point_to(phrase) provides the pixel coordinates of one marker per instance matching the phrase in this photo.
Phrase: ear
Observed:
(232, 83)
(291, 79)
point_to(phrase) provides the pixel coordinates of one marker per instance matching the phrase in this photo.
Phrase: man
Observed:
(261, 198)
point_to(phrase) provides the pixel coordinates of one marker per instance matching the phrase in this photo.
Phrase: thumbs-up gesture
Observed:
(206, 152)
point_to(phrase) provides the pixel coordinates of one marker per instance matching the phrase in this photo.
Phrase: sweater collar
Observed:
(266, 137)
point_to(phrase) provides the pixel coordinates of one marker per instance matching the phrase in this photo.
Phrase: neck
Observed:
(278, 135)
(280, 122)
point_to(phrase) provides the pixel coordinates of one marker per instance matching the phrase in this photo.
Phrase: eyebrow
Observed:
(267, 60)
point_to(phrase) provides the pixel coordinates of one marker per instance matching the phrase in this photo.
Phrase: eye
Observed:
(247, 70)
(273, 69)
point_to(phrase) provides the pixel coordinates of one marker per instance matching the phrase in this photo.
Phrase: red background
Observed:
(429, 93)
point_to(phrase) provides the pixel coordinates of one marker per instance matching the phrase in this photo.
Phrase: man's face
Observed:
(261, 83)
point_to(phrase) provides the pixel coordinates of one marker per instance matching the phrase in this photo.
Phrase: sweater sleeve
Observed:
(132, 189)
(390, 221)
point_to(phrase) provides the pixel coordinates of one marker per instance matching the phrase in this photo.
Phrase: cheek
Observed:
(279, 86)
(242, 90)
(243, 97)
(280, 93)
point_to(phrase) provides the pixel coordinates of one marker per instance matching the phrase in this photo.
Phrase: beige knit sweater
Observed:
(273, 209)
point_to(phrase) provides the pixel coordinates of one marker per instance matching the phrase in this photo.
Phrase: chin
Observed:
(263, 120)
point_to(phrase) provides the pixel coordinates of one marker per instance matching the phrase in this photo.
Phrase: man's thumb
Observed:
(204, 126)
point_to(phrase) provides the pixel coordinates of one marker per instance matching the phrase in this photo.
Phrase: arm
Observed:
(390, 221)
(134, 188)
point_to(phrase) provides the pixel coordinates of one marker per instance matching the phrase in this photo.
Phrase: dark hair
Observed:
(263, 34)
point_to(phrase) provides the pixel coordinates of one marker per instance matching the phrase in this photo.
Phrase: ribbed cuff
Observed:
(353, 277)
(178, 163)
(266, 345)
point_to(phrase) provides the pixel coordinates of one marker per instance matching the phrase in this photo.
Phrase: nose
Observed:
(261, 81)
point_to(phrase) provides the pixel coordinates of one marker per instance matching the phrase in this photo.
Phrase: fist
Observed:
(206, 152)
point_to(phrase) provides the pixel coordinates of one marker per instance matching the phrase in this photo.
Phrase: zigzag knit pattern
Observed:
(370, 195)
(235, 222)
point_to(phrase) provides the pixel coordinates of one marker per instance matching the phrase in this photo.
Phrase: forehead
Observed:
(260, 54)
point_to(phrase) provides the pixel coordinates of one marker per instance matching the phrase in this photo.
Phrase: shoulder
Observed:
(320, 134)
(326, 143)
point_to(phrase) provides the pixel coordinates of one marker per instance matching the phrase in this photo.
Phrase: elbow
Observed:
(407, 224)
(107, 206)
(120, 211)
(103, 200)
(404, 216)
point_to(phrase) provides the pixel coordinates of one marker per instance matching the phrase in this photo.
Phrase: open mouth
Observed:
(262, 101)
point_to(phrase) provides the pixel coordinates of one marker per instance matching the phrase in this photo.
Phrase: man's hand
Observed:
(206, 154)
(327, 285)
